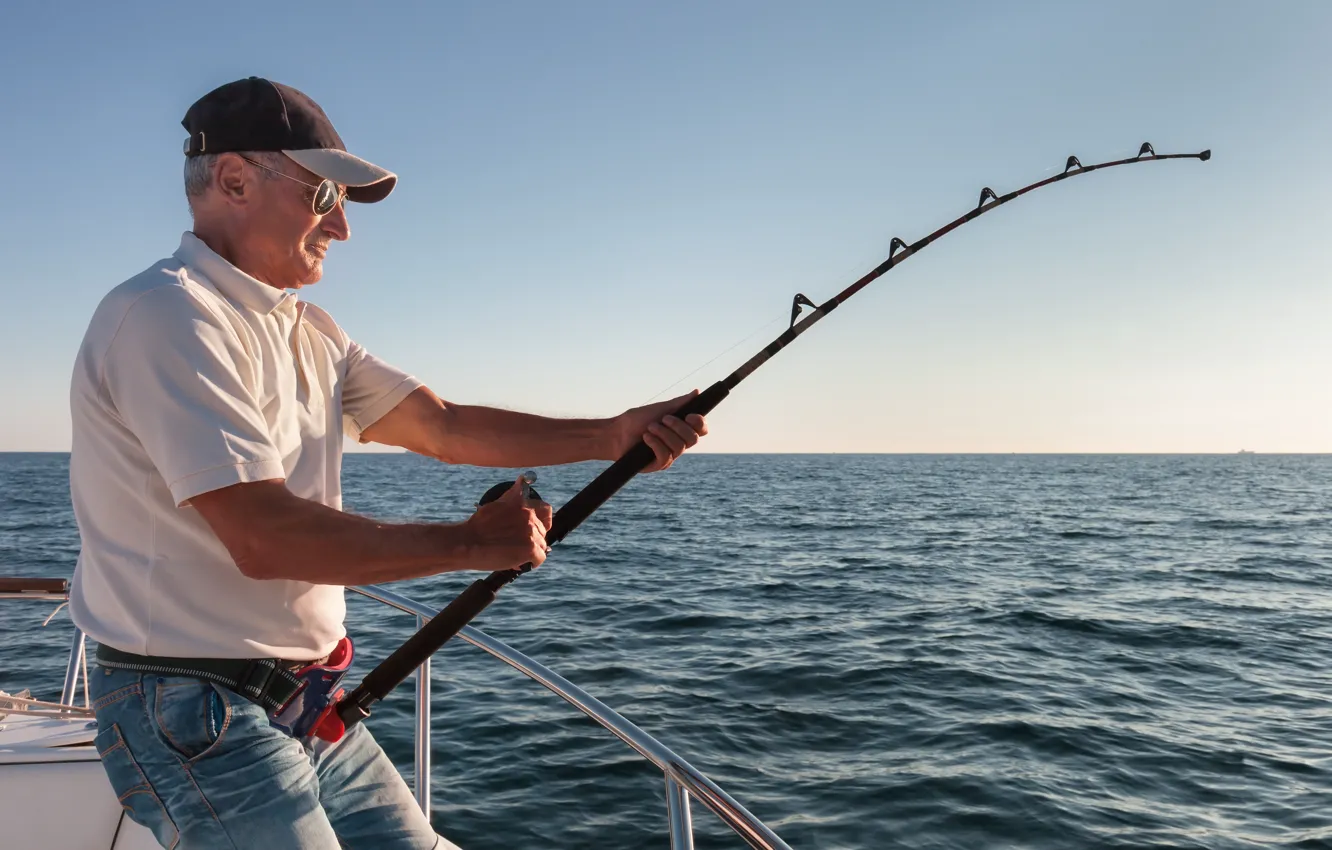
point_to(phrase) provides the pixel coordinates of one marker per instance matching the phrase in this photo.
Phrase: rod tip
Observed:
(1205, 155)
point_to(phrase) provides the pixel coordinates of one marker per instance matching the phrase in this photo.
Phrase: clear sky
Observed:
(597, 198)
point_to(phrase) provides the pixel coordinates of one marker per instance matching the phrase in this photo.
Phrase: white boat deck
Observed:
(54, 794)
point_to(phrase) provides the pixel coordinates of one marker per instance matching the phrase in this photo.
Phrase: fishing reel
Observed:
(529, 492)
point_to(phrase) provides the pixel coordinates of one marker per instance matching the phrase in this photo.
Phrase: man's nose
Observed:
(335, 223)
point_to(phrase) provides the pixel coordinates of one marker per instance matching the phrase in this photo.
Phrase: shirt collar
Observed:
(235, 284)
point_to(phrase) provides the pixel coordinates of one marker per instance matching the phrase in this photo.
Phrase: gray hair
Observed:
(199, 170)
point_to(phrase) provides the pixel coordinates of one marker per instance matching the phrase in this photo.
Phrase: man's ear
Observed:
(232, 180)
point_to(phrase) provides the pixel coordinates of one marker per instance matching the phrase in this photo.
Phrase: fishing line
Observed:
(774, 320)
(760, 329)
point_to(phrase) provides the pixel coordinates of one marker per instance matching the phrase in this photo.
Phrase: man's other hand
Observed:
(667, 436)
(508, 532)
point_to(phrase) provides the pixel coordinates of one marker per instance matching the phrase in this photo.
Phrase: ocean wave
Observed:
(1126, 632)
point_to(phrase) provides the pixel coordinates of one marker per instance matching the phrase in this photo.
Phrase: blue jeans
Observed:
(200, 766)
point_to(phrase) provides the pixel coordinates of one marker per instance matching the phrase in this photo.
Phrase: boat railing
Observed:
(684, 782)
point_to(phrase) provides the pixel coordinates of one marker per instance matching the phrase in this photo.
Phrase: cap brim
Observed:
(365, 182)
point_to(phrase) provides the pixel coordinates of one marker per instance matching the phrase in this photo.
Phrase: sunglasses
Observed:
(326, 195)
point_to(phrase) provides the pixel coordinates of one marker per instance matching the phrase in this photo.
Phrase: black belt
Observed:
(264, 681)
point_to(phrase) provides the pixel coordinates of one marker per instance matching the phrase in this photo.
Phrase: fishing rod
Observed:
(344, 712)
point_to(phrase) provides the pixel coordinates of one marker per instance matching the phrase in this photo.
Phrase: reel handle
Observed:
(529, 492)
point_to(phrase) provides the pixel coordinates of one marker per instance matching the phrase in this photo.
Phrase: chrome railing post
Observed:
(677, 813)
(73, 668)
(423, 731)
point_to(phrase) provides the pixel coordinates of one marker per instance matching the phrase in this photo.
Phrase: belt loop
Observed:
(257, 689)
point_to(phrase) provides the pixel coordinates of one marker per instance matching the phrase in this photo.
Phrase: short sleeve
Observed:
(372, 389)
(173, 373)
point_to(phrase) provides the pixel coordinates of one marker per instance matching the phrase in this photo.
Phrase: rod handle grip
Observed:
(393, 670)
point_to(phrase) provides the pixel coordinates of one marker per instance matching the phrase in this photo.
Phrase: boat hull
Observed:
(54, 793)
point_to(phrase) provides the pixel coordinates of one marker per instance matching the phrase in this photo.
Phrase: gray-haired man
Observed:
(209, 407)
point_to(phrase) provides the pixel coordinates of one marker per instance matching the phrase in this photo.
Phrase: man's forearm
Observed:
(274, 534)
(488, 436)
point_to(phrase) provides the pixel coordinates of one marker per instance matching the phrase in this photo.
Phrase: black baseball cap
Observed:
(255, 114)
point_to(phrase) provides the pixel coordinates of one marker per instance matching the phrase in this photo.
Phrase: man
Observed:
(209, 407)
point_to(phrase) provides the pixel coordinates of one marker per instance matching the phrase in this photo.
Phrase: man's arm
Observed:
(271, 533)
(486, 436)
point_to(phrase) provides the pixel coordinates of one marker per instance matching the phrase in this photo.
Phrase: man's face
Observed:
(284, 240)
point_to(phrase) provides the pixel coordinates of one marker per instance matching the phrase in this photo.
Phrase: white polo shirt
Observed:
(194, 376)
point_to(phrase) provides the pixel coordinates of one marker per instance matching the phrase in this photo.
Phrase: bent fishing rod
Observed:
(355, 707)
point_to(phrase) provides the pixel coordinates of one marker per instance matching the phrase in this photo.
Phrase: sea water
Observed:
(866, 651)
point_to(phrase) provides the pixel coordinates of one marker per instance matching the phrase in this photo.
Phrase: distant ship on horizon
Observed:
(1245, 452)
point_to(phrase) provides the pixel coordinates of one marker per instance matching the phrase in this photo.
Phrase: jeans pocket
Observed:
(136, 794)
(188, 714)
